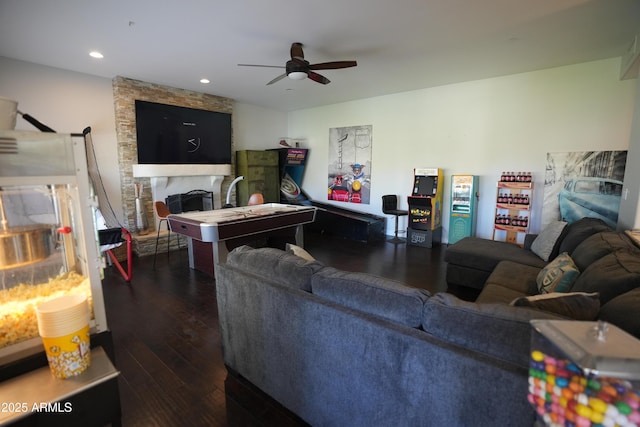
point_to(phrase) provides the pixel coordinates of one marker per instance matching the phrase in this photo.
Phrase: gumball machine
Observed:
(584, 374)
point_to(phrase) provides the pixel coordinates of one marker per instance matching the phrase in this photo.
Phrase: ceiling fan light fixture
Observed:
(297, 75)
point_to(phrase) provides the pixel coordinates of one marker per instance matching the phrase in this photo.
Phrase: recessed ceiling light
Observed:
(205, 81)
(96, 54)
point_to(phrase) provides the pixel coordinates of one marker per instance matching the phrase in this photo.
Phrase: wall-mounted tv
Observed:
(169, 134)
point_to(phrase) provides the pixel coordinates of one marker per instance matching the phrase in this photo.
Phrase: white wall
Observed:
(68, 102)
(257, 128)
(629, 217)
(482, 127)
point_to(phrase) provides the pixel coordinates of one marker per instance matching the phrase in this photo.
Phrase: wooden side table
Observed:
(634, 235)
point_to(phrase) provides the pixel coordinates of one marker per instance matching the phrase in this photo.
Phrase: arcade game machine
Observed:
(425, 208)
(292, 162)
(464, 207)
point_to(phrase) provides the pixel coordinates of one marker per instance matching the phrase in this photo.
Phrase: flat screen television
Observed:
(169, 134)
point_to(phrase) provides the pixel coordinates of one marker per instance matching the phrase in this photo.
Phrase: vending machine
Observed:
(425, 208)
(464, 203)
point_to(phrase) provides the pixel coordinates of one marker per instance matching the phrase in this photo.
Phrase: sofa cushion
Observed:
(276, 265)
(484, 254)
(558, 275)
(574, 305)
(623, 311)
(498, 330)
(518, 277)
(577, 231)
(497, 294)
(371, 294)
(544, 244)
(612, 275)
(597, 246)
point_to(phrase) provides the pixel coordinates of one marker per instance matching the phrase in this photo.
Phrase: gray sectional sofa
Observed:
(340, 348)
(606, 262)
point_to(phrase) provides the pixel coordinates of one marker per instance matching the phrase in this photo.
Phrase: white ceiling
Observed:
(399, 45)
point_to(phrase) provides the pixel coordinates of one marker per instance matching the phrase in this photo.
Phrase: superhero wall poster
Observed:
(349, 178)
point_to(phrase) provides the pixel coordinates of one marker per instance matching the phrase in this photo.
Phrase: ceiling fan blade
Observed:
(296, 51)
(277, 79)
(333, 65)
(318, 78)
(264, 66)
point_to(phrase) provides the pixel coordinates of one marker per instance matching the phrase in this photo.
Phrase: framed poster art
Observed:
(583, 184)
(349, 177)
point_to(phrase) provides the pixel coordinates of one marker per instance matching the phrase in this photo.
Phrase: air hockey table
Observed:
(212, 234)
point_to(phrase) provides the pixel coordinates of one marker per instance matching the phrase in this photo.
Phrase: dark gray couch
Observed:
(471, 260)
(608, 263)
(340, 348)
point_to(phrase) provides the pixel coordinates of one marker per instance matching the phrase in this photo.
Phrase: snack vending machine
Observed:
(425, 208)
(464, 204)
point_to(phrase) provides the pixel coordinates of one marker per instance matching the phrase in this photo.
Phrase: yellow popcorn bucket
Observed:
(63, 324)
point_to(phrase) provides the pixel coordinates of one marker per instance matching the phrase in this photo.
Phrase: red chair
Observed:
(255, 199)
(163, 211)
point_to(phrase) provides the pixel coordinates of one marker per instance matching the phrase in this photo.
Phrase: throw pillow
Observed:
(543, 244)
(558, 275)
(298, 251)
(573, 305)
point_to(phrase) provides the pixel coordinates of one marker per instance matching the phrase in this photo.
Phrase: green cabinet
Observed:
(261, 175)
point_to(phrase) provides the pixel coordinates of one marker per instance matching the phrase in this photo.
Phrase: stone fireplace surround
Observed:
(159, 181)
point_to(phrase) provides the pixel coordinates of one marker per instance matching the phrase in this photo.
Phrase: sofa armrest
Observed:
(528, 240)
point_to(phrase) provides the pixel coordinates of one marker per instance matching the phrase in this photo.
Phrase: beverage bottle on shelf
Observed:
(510, 199)
(526, 199)
(503, 176)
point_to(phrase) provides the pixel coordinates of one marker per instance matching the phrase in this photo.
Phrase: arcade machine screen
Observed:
(425, 185)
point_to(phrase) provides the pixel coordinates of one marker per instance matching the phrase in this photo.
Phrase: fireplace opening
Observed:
(195, 200)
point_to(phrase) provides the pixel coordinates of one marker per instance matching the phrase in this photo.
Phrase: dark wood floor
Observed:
(166, 336)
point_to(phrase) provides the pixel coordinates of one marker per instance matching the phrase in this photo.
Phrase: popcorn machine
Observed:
(48, 243)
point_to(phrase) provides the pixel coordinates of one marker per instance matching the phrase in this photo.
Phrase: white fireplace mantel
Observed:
(177, 179)
(154, 170)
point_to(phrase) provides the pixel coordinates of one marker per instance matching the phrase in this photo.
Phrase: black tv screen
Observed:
(168, 134)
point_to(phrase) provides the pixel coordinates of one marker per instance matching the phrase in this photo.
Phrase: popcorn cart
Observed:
(48, 245)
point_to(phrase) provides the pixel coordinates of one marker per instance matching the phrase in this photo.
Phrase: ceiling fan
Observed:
(298, 68)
